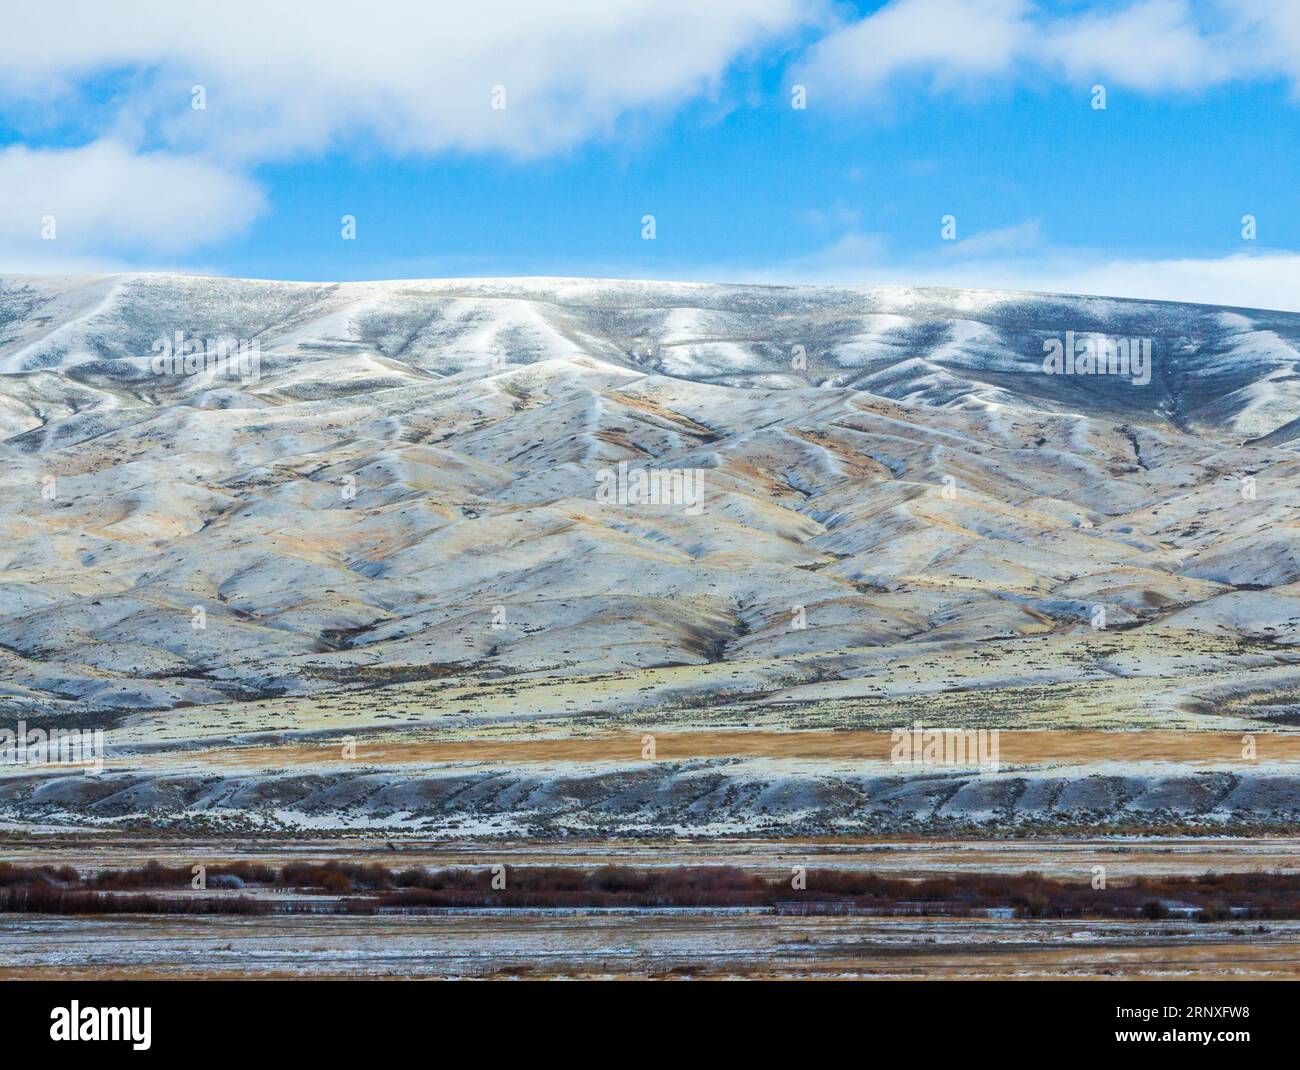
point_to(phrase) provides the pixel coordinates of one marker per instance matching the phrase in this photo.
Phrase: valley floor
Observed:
(544, 944)
(657, 943)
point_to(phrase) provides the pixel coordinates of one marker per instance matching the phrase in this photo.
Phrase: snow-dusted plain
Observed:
(393, 529)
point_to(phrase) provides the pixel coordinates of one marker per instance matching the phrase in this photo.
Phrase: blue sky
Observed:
(766, 184)
(916, 109)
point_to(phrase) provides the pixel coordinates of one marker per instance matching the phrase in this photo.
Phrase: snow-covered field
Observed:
(644, 944)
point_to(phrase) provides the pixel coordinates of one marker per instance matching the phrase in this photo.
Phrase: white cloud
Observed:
(1019, 237)
(951, 40)
(1264, 280)
(1149, 45)
(106, 197)
(1152, 45)
(1268, 33)
(847, 251)
(1269, 280)
(282, 79)
(840, 215)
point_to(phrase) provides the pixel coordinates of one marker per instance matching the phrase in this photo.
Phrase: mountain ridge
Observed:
(918, 479)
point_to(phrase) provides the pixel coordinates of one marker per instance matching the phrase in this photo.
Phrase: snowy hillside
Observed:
(414, 463)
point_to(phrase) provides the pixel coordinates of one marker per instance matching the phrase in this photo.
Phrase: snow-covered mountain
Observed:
(406, 485)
